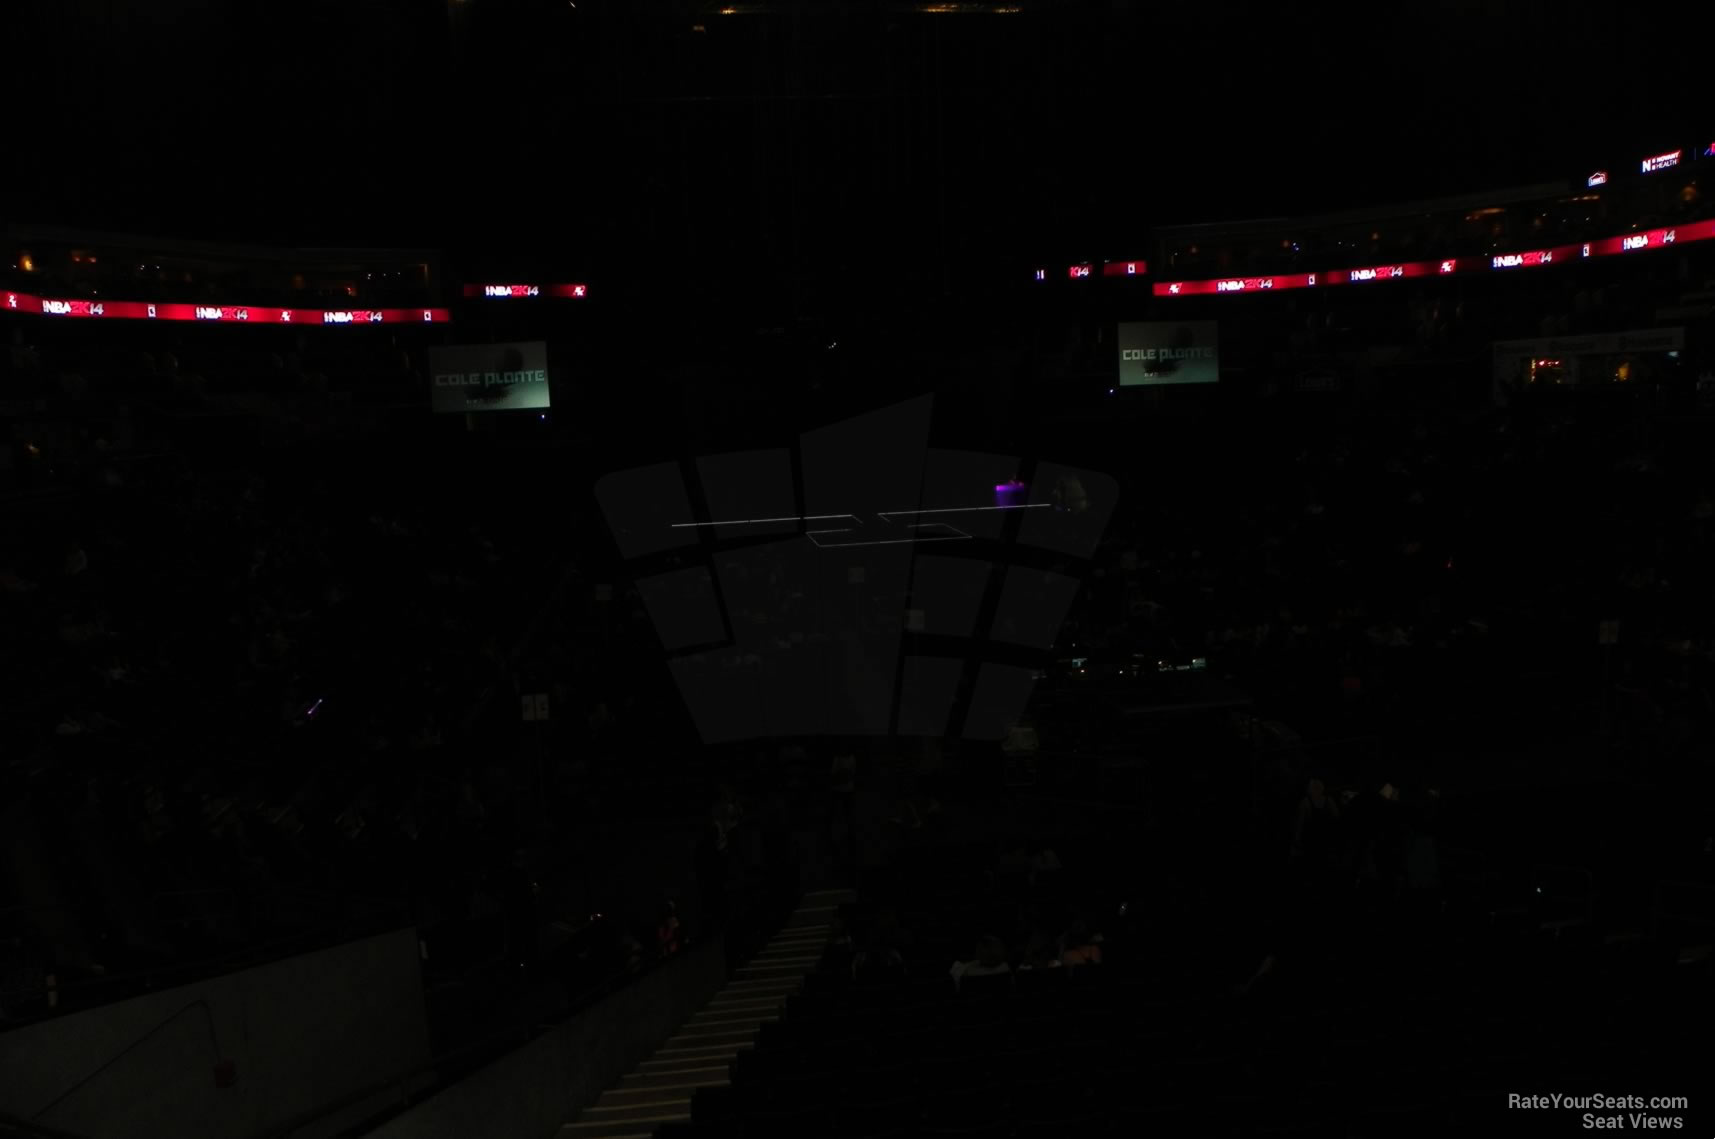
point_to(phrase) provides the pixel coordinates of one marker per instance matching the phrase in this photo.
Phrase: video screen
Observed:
(1168, 352)
(489, 377)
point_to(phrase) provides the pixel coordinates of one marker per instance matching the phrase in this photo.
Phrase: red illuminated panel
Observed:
(507, 292)
(1535, 257)
(1235, 285)
(503, 290)
(1651, 239)
(1389, 272)
(224, 314)
(1662, 161)
(1124, 268)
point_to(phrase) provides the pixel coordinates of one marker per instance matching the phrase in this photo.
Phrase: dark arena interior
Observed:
(591, 569)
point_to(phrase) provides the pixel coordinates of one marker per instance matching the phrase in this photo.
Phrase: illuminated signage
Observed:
(1533, 257)
(1235, 285)
(1600, 178)
(489, 377)
(1124, 269)
(1041, 274)
(1161, 352)
(1662, 161)
(1652, 239)
(234, 314)
(509, 292)
(1625, 243)
(1078, 272)
(1398, 272)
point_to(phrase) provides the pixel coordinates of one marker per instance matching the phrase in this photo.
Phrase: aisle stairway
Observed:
(699, 1055)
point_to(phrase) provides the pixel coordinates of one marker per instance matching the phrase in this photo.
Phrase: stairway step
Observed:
(637, 1113)
(755, 1011)
(771, 972)
(711, 1020)
(691, 1075)
(719, 1028)
(797, 961)
(700, 1058)
(709, 1039)
(734, 1007)
(618, 1128)
(765, 985)
(660, 1093)
(704, 1051)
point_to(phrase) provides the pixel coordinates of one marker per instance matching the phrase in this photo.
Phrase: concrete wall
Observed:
(300, 1032)
(532, 1092)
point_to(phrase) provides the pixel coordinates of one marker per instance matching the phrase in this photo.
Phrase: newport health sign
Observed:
(489, 377)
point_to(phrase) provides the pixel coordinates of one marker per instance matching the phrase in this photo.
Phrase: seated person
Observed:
(1080, 947)
(882, 957)
(667, 931)
(1039, 954)
(990, 961)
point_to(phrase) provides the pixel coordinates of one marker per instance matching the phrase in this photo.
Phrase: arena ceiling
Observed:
(787, 132)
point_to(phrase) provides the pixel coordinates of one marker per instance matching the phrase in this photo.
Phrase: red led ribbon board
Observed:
(516, 292)
(215, 314)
